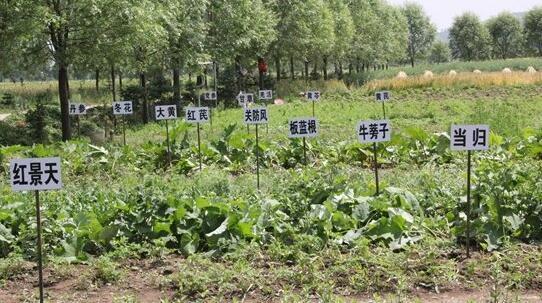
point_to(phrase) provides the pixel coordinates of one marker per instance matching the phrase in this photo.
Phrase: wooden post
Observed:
(199, 148)
(305, 150)
(257, 159)
(124, 130)
(468, 214)
(168, 146)
(39, 248)
(377, 182)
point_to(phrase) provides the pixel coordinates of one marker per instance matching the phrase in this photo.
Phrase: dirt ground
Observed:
(143, 281)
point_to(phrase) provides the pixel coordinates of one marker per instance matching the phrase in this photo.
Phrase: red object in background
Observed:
(262, 65)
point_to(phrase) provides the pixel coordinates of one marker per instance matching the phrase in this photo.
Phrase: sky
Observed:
(442, 12)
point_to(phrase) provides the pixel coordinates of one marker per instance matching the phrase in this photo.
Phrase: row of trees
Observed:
(136, 36)
(504, 36)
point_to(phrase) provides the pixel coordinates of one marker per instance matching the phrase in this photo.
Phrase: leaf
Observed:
(515, 221)
(5, 234)
(220, 230)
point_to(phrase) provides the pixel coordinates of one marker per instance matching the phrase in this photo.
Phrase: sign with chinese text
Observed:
(303, 128)
(374, 131)
(77, 109)
(257, 115)
(197, 114)
(266, 94)
(35, 174)
(382, 96)
(245, 99)
(313, 95)
(165, 112)
(469, 137)
(123, 108)
(210, 96)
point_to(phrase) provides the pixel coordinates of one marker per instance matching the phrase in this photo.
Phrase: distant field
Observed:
(518, 64)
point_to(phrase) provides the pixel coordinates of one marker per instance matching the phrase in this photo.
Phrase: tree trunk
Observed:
(341, 72)
(260, 74)
(292, 71)
(113, 77)
(306, 70)
(64, 102)
(278, 67)
(177, 87)
(97, 80)
(120, 81)
(412, 61)
(238, 73)
(350, 67)
(145, 108)
(324, 68)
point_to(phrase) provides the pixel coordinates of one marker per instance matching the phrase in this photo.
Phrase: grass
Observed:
(303, 267)
(517, 64)
(461, 80)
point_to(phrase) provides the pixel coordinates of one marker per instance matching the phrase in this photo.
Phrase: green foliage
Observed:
(506, 35)
(469, 39)
(440, 53)
(533, 29)
(421, 32)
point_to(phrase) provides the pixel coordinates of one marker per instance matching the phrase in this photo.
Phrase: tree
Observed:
(320, 37)
(63, 31)
(241, 30)
(421, 32)
(343, 33)
(469, 39)
(186, 25)
(506, 35)
(440, 52)
(374, 43)
(533, 29)
(305, 30)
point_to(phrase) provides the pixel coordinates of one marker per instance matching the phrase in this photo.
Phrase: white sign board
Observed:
(123, 108)
(257, 115)
(303, 128)
(35, 174)
(245, 99)
(165, 112)
(382, 96)
(77, 109)
(210, 96)
(469, 137)
(197, 115)
(313, 95)
(266, 94)
(374, 131)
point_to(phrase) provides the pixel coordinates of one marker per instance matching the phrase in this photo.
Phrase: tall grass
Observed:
(459, 80)
(516, 64)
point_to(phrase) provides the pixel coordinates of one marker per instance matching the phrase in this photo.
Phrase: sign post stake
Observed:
(469, 138)
(375, 131)
(199, 147)
(168, 146)
(377, 181)
(469, 154)
(256, 116)
(257, 159)
(384, 109)
(124, 130)
(35, 175)
(39, 248)
(78, 126)
(305, 150)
